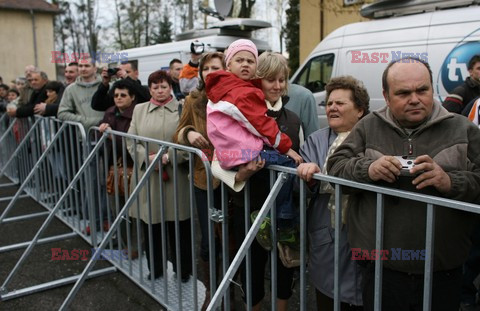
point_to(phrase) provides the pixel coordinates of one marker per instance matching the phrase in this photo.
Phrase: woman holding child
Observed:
(192, 131)
(259, 105)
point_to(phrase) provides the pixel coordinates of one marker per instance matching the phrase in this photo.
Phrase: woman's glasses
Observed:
(122, 95)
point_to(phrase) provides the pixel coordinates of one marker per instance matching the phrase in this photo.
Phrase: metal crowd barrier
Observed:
(45, 151)
(19, 150)
(168, 289)
(72, 188)
(51, 176)
(77, 193)
(430, 202)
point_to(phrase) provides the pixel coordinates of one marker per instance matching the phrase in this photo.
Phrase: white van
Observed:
(446, 39)
(216, 38)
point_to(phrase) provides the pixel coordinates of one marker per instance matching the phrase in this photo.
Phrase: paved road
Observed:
(113, 291)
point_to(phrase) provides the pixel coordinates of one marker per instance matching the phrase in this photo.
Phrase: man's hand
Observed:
(433, 175)
(306, 170)
(105, 77)
(295, 156)
(197, 140)
(386, 168)
(245, 171)
(121, 74)
(40, 108)
(195, 58)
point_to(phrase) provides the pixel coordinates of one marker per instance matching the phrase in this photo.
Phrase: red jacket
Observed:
(236, 119)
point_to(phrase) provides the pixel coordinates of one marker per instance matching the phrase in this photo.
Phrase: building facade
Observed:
(27, 36)
(320, 17)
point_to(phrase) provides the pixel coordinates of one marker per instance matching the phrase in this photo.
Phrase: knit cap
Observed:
(238, 46)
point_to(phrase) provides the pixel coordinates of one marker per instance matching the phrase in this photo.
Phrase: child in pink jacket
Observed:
(237, 124)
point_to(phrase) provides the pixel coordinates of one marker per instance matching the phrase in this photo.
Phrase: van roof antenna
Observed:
(222, 8)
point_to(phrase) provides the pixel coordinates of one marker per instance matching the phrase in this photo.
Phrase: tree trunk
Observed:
(147, 13)
(119, 27)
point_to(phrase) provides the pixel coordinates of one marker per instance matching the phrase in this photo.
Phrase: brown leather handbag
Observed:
(120, 175)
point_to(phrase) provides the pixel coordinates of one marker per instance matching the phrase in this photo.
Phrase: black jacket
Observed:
(37, 97)
(462, 95)
(103, 97)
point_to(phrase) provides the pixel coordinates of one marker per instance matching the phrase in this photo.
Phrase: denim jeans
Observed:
(285, 208)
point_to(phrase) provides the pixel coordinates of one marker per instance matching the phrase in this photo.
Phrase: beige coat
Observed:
(159, 123)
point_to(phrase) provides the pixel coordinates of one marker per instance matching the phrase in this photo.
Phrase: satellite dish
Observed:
(223, 7)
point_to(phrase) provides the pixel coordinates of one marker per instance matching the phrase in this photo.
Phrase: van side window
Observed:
(316, 73)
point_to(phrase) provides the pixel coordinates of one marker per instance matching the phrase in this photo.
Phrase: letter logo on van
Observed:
(454, 68)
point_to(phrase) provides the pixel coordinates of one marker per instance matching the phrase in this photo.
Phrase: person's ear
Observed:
(385, 95)
(360, 113)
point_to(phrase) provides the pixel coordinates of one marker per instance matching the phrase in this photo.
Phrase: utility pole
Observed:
(190, 14)
(205, 4)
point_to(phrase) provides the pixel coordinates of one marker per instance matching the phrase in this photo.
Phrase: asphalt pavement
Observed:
(112, 291)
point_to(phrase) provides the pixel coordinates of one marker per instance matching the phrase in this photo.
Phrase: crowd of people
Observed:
(240, 110)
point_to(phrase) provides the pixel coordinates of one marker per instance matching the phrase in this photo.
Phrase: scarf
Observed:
(325, 187)
(161, 104)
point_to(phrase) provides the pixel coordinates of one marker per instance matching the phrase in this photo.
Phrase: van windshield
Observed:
(316, 73)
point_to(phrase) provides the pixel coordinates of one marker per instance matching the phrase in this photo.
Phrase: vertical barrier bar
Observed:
(338, 224)
(177, 232)
(211, 234)
(149, 224)
(429, 252)
(273, 252)
(163, 228)
(379, 246)
(248, 260)
(193, 228)
(247, 242)
(225, 247)
(303, 247)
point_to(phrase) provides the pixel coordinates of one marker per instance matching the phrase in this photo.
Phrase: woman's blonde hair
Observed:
(270, 64)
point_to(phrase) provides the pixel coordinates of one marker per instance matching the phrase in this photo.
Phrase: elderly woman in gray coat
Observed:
(347, 102)
(158, 119)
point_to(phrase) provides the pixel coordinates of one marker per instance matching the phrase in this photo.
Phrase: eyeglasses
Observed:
(122, 95)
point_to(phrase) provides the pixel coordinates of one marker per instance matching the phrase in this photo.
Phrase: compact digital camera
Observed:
(407, 164)
(197, 47)
(112, 71)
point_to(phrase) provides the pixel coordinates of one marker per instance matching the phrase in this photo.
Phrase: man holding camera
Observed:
(446, 152)
(189, 75)
(175, 68)
(103, 99)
